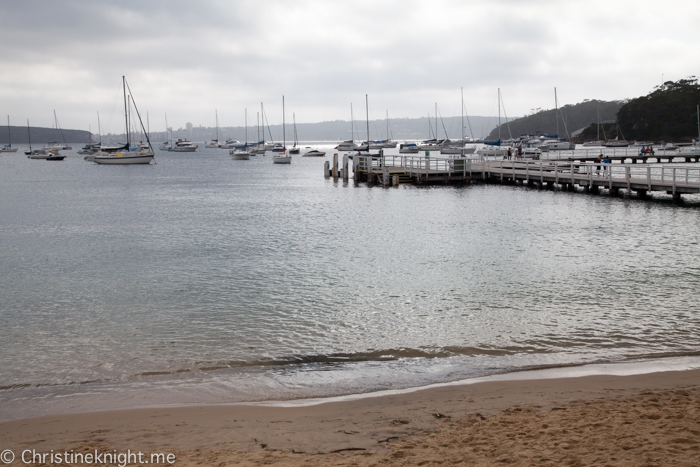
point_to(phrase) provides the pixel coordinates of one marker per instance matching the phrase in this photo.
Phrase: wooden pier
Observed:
(589, 176)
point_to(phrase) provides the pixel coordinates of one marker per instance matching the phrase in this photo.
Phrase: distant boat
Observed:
(166, 146)
(183, 145)
(35, 153)
(408, 148)
(125, 155)
(8, 147)
(616, 143)
(590, 144)
(242, 154)
(314, 153)
(282, 157)
(294, 149)
(215, 142)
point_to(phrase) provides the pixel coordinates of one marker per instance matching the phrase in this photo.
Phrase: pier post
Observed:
(641, 193)
(677, 198)
(346, 174)
(335, 167)
(327, 169)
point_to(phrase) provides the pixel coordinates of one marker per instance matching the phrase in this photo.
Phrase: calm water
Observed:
(201, 279)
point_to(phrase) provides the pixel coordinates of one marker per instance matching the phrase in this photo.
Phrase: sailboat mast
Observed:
(461, 91)
(99, 128)
(29, 136)
(352, 123)
(387, 125)
(698, 110)
(499, 115)
(367, 110)
(284, 135)
(556, 110)
(126, 113)
(9, 136)
(216, 117)
(436, 130)
(246, 128)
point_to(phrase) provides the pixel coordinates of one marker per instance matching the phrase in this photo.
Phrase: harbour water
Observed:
(201, 279)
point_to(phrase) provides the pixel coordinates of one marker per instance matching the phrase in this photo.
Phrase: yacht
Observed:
(183, 145)
(408, 148)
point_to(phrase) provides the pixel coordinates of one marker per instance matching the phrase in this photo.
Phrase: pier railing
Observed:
(569, 172)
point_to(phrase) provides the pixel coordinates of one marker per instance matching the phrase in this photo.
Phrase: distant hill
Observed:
(41, 136)
(400, 129)
(669, 113)
(576, 116)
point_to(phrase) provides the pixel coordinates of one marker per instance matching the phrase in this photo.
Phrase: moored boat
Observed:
(125, 155)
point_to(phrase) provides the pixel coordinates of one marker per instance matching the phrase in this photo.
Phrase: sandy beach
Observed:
(639, 420)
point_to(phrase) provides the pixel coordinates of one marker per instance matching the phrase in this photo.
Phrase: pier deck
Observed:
(663, 177)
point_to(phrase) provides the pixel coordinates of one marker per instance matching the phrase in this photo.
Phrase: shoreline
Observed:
(364, 428)
(126, 399)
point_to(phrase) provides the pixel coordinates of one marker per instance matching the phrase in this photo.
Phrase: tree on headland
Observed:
(545, 121)
(668, 113)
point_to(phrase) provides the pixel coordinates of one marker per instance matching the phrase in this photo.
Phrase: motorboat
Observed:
(314, 153)
(556, 145)
(592, 144)
(408, 148)
(531, 153)
(670, 147)
(689, 151)
(55, 156)
(239, 154)
(183, 145)
(166, 146)
(616, 143)
(232, 143)
(37, 154)
(90, 148)
(495, 151)
(347, 146)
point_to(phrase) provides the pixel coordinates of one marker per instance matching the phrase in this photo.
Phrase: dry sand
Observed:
(639, 420)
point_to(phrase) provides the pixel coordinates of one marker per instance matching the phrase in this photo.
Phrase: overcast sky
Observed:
(188, 58)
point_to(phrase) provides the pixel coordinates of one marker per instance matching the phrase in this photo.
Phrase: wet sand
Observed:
(639, 420)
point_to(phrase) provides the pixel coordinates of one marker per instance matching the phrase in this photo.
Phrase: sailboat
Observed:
(598, 142)
(494, 148)
(349, 145)
(166, 146)
(242, 154)
(8, 147)
(215, 142)
(35, 153)
(294, 149)
(123, 155)
(282, 157)
(457, 148)
(55, 145)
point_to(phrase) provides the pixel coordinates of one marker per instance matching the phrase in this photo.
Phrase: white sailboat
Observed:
(166, 145)
(495, 149)
(242, 154)
(215, 142)
(8, 147)
(35, 153)
(282, 157)
(125, 155)
(294, 149)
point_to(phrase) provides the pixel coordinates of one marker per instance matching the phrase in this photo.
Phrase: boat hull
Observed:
(122, 159)
(282, 159)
